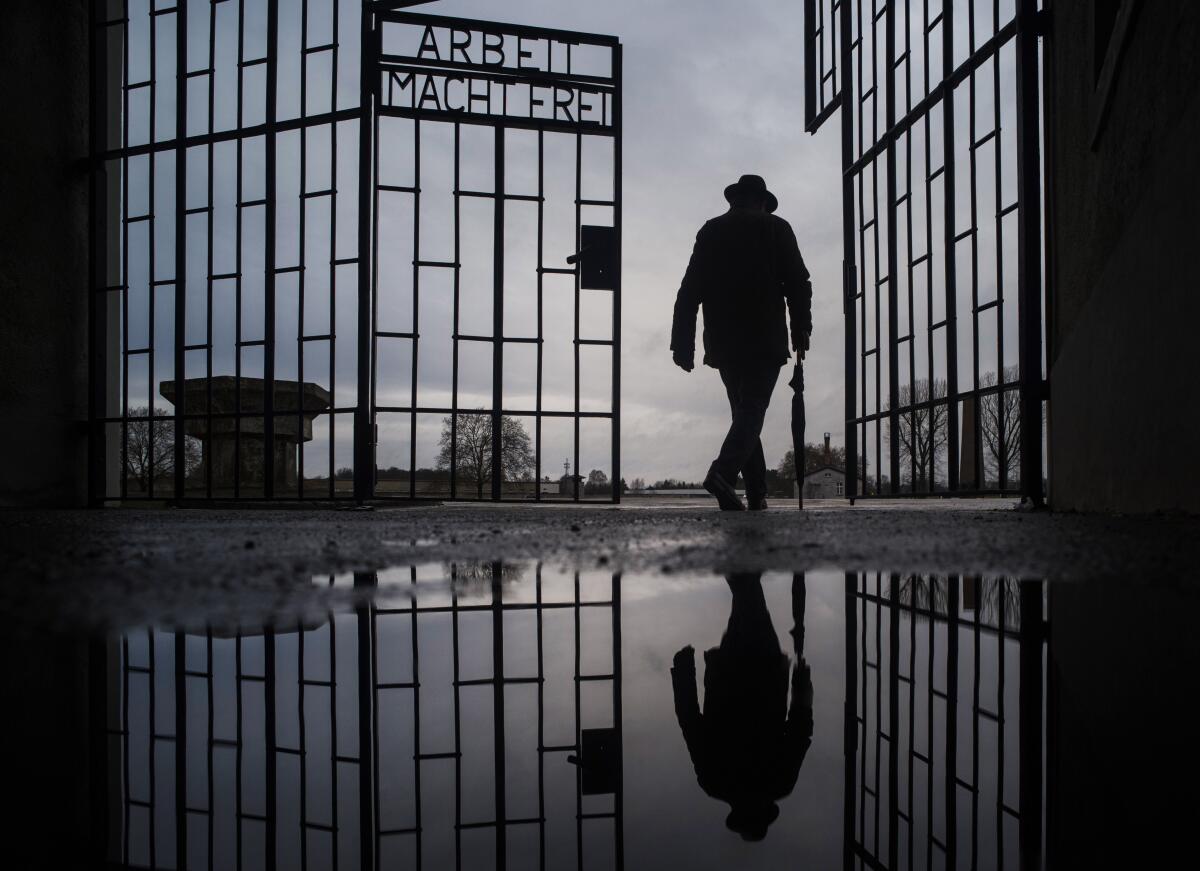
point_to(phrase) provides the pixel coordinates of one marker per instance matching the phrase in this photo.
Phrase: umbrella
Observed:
(797, 384)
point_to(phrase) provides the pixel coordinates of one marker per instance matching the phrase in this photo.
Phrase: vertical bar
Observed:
(271, 736)
(893, 266)
(498, 320)
(414, 634)
(237, 331)
(268, 461)
(364, 414)
(849, 268)
(618, 725)
(366, 718)
(850, 704)
(416, 300)
(893, 708)
(537, 420)
(498, 695)
(951, 764)
(810, 64)
(300, 276)
(180, 239)
(333, 257)
(97, 250)
(578, 481)
(457, 309)
(1030, 726)
(948, 223)
(181, 827)
(1029, 262)
(454, 640)
(618, 134)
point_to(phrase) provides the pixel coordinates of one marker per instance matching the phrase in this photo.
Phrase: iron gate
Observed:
(942, 276)
(261, 328)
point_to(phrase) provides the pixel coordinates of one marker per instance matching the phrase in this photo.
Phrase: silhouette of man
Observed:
(748, 745)
(745, 265)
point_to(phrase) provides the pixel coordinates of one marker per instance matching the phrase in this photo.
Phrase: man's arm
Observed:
(687, 303)
(797, 289)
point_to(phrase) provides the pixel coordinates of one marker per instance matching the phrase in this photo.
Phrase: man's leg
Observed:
(749, 392)
(755, 473)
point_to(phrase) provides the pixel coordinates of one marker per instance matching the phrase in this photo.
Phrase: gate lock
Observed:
(597, 258)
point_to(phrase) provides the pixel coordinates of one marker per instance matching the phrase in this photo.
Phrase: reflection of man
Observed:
(748, 745)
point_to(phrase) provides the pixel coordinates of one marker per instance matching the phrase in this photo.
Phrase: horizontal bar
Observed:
(589, 128)
(229, 135)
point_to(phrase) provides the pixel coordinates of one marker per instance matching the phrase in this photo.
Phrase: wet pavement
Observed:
(444, 699)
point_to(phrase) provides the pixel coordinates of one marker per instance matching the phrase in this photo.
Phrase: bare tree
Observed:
(150, 449)
(1000, 428)
(472, 442)
(922, 430)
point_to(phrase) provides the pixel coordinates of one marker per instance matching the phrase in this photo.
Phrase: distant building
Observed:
(827, 482)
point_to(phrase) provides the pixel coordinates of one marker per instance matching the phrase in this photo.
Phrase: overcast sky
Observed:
(712, 90)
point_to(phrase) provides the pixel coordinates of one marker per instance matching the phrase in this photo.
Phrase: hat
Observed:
(749, 186)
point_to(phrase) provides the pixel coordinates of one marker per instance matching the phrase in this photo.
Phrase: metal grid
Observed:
(389, 70)
(233, 201)
(920, 792)
(279, 748)
(942, 197)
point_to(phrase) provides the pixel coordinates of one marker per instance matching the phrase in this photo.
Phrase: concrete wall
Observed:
(43, 252)
(1125, 224)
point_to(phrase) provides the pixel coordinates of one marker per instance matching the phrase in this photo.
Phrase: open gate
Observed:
(941, 198)
(330, 247)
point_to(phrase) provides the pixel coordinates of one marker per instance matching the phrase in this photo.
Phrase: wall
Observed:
(1125, 408)
(1121, 743)
(43, 252)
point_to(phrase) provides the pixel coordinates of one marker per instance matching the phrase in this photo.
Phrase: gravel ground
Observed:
(132, 566)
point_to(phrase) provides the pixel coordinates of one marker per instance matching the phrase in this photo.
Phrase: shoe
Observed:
(756, 503)
(727, 497)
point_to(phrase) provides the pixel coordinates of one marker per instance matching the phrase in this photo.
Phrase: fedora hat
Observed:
(751, 187)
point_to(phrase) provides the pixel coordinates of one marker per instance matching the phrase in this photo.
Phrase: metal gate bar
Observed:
(907, 426)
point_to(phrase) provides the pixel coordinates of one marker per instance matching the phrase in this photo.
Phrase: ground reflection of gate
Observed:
(486, 715)
(944, 697)
(286, 254)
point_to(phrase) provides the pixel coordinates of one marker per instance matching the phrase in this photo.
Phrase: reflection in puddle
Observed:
(524, 717)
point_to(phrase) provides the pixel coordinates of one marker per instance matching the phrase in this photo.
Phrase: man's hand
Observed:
(686, 362)
(685, 661)
(801, 344)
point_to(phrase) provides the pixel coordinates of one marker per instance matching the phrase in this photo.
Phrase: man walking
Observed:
(745, 266)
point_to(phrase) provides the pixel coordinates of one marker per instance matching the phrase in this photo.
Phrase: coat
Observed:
(745, 267)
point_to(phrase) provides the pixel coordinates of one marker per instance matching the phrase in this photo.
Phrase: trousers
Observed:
(749, 387)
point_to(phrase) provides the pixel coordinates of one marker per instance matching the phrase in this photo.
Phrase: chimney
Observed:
(828, 452)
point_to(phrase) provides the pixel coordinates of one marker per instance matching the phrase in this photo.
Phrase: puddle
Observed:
(519, 716)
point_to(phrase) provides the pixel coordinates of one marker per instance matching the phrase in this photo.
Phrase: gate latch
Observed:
(597, 258)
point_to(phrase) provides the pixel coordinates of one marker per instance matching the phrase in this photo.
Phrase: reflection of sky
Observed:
(711, 92)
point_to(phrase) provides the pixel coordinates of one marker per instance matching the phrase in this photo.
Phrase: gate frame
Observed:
(374, 60)
(1025, 27)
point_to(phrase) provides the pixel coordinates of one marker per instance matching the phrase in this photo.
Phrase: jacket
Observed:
(745, 267)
